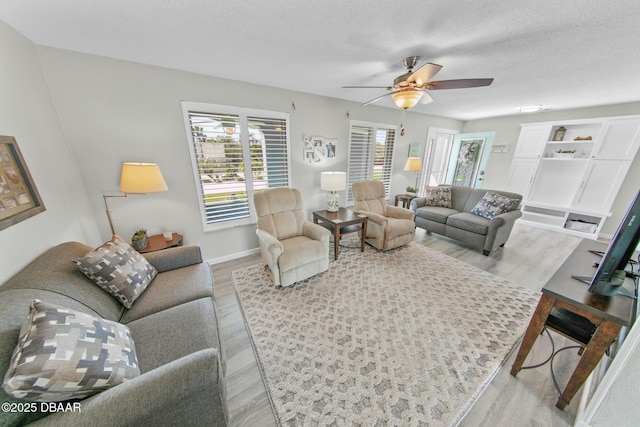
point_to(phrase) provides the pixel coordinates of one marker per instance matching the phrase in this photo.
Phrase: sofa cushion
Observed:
(173, 333)
(66, 354)
(469, 222)
(438, 196)
(172, 288)
(118, 269)
(434, 213)
(494, 204)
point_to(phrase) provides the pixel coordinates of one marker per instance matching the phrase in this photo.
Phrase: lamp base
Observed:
(333, 201)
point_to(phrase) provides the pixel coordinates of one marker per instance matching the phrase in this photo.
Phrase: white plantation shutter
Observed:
(223, 141)
(370, 154)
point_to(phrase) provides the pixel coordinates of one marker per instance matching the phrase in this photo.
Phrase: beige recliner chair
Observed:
(292, 248)
(389, 226)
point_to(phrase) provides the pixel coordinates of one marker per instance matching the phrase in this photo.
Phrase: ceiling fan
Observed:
(411, 87)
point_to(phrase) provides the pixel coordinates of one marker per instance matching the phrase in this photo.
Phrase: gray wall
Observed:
(116, 111)
(507, 130)
(28, 114)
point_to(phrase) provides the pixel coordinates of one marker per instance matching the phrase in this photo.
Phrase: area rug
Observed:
(407, 337)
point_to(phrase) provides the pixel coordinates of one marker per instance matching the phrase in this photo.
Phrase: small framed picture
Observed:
(19, 197)
(414, 150)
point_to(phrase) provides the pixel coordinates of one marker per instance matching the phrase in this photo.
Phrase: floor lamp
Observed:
(414, 164)
(137, 178)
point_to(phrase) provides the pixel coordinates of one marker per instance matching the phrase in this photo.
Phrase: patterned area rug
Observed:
(408, 337)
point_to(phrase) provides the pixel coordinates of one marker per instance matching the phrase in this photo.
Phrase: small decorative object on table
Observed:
(411, 190)
(139, 240)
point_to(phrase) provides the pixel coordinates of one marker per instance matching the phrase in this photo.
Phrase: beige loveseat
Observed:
(458, 222)
(173, 325)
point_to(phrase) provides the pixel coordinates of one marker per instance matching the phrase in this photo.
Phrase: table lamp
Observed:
(333, 182)
(137, 178)
(414, 164)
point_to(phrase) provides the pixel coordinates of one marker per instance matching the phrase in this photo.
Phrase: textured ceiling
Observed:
(564, 54)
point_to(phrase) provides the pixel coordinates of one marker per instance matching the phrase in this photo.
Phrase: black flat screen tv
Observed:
(611, 273)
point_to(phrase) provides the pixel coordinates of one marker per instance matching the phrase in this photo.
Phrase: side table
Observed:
(342, 222)
(157, 243)
(405, 199)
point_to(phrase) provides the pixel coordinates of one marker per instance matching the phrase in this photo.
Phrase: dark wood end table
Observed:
(343, 221)
(157, 243)
(405, 199)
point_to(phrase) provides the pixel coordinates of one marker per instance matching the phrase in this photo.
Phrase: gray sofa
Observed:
(457, 222)
(173, 325)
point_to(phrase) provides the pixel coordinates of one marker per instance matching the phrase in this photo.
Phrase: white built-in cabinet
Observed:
(571, 184)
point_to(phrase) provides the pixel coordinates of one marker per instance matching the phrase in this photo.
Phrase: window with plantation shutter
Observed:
(370, 154)
(223, 140)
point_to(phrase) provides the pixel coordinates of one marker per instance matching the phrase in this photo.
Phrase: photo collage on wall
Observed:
(318, 149)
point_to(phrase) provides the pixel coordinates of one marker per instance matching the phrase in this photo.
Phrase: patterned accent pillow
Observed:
(493, 204)
(66, 354)
(118, 269)
(439, 196)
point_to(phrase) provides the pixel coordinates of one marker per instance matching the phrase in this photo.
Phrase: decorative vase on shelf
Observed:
(140, 240)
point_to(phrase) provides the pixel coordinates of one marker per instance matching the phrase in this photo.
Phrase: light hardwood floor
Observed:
(530, 258)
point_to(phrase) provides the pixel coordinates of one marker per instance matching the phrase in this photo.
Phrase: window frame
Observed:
(370, 156)
(243, 114)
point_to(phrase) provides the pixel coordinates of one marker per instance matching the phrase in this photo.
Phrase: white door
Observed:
(468, 160)
(600, 184)
(436, 157)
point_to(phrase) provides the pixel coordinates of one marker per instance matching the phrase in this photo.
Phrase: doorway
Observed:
(456, 159)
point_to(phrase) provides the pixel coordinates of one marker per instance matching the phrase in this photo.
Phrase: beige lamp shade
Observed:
(413, 164)
(333, 181)
(406, 98)
(141, 178)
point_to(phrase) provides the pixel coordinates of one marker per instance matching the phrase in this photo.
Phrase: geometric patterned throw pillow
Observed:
(439, 196)
(66, 354)
(494, 204)
(118, 269)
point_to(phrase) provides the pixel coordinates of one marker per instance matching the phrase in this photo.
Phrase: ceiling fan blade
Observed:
(375, 99)
(424, 74)
(426, 98)
(458, 84)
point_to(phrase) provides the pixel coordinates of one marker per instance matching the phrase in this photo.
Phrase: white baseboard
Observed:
(231, 257)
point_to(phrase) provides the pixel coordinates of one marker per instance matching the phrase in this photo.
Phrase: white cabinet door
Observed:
(557, 182)
(523, 171)
(621, 138)
(600, 184)
(532, 140)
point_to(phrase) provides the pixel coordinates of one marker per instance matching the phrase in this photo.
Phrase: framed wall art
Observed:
(318, 149)
(19, 197)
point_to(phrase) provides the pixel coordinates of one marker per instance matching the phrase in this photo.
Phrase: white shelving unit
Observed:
(571, 184)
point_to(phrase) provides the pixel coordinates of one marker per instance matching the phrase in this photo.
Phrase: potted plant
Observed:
(139, 240)
(411, 190)
(564, 153)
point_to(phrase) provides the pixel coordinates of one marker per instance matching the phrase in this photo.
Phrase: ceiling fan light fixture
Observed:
(406, 98)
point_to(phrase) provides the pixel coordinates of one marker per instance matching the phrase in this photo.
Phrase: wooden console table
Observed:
(608, 314)
(157, 243)
(342, 222)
